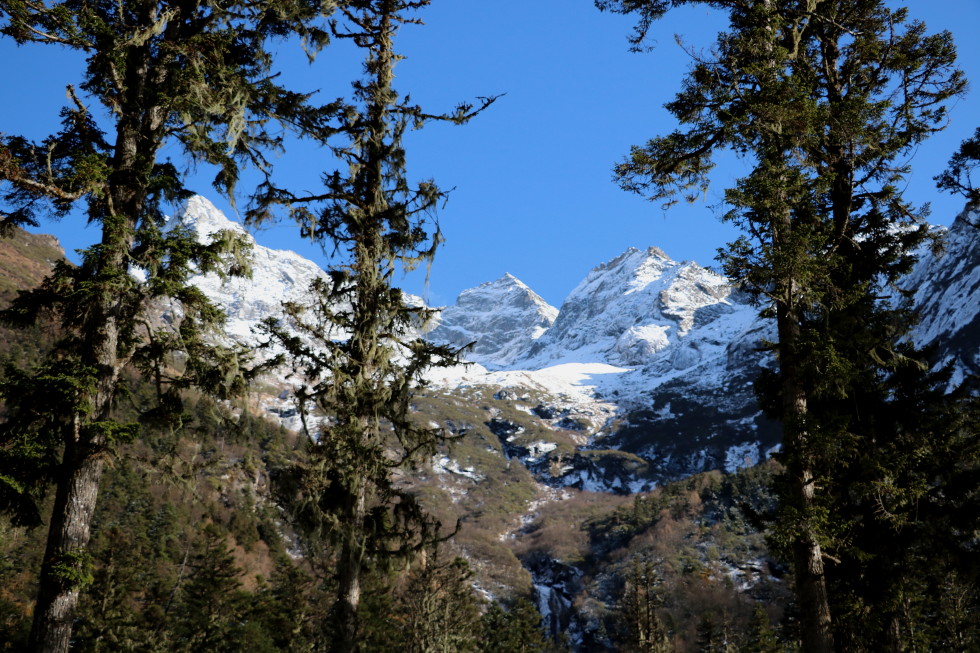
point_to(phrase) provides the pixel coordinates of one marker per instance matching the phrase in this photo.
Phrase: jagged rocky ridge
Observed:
(277, 276)
(646, 368)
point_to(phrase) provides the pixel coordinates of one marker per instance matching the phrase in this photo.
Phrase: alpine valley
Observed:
(619, 427)
(642, 379)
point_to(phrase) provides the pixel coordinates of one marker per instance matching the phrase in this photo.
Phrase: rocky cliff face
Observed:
(639, 309)
(25, 259)
(665, 350)
(278, 276)
(945, 290)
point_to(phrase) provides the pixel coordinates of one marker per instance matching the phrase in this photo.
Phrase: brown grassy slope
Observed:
(25, 259)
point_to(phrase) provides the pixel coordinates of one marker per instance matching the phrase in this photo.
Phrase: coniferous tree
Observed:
(645, 631)
(435, 609)
(290, 607)
(715, 634)
(356, 352)
(194, 74)
(761, 638)
(517, 630)
(826, 99)
(211, 610)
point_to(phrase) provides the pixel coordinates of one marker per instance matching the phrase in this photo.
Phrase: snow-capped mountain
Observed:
(637, 306)
(647, 357)
(945, 287)
(501, 318)
(278, 276)
(643, 376)
(657, 355)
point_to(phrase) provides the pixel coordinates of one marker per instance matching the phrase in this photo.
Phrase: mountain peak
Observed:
(631, 308)
(278, 276)
(507, 282)
(204, 218)
(501, 318)
(656, 252)
(945, 287)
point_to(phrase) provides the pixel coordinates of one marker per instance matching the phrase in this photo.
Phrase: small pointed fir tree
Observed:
(637, 609)
(761, 637)
(517, 630)
(212, 607)
(435, 609)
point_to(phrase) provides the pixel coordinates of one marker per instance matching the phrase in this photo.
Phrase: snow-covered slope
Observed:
(278, 276)
(656, 355)
(631, 309)
(501, 318)
(945, 287)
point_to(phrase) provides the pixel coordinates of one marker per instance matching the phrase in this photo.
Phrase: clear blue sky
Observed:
(532, 176)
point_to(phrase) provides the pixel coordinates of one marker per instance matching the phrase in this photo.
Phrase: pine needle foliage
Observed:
(354, 344)
(958, 176)
(637, 610)
(514, 630)
(194, 74)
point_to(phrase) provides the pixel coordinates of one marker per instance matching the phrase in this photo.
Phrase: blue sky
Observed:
(532, 176)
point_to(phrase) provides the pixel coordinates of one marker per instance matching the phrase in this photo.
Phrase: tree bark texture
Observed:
(349, 577)
(811, 584)
(367, 351)
(68, 538)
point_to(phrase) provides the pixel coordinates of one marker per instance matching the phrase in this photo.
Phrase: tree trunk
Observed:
(349, 577)
(64, 570)
(65, 555)
(811, 588)
(366, 346)
(811, 584)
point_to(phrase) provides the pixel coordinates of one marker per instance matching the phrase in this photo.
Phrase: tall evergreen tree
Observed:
(761, 637)
(436, 609)
(356, 351)
(211, 611)
(904, 501)
(197, 74)
(827, 99)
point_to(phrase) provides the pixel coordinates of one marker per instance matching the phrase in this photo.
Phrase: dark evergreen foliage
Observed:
(879, 496)
(638, 607)
(359, 365)
(194, 74)
(827, 100)
(517, 630)
(762, 638)
(958, 176)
